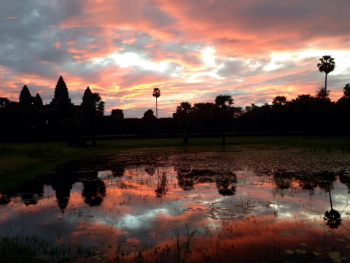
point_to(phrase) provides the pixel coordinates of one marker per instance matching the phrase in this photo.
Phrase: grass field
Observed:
(24, 161)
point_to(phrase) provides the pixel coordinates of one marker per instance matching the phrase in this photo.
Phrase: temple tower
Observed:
(61, 93)
(61, 101)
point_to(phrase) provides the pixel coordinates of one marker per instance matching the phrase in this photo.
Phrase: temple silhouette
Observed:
(39, 120)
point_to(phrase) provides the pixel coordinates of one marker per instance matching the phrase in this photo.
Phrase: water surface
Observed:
(246, 203)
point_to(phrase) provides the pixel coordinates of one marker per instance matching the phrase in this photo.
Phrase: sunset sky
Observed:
(192, 50)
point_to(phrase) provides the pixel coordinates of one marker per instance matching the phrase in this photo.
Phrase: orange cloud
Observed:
(122, 49)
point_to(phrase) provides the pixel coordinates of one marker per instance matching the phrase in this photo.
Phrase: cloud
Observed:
(252, 50)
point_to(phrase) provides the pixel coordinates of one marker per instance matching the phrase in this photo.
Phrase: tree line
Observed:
(306, 114)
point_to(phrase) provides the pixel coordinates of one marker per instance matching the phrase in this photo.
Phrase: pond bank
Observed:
(20, 162)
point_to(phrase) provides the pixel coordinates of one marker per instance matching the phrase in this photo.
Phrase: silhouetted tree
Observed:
(346, 91)
(326, 65)
(343, 111)
(301, 112)
(323, 110)
(322, 93)
(183, 118)
(279, 100)
(10, 119)
(92, 107)
(223, 104)
(204, 115)
(250, 118)
(3, 103)
(148, 115)
(4, 117)
(156, 94)
(278, 106)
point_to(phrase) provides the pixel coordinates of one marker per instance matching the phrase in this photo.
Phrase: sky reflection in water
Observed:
(147, 205)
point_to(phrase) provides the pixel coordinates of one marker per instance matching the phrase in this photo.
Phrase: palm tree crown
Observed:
(327, 65)
(156, 93)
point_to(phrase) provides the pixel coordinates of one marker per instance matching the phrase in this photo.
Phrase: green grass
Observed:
(20, 162)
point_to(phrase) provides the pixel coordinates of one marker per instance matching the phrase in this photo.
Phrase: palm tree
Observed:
(156, 93)
(327, 65)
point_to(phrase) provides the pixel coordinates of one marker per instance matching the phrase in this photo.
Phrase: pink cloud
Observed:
(166, 39)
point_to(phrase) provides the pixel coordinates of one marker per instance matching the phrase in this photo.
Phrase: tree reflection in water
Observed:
(62, 183)
(323, 180)
(94, 192)
(62, 188)
(4, 199)
(162, 184)
(185, 181)
(32, 192)
(282, 180)
(150, 170)
(333, 217)
(226, 185)
(224, 181)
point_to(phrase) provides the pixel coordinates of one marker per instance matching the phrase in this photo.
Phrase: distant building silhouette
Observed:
(117, 114)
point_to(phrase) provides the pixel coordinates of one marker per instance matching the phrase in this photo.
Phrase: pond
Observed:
(245, 204)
